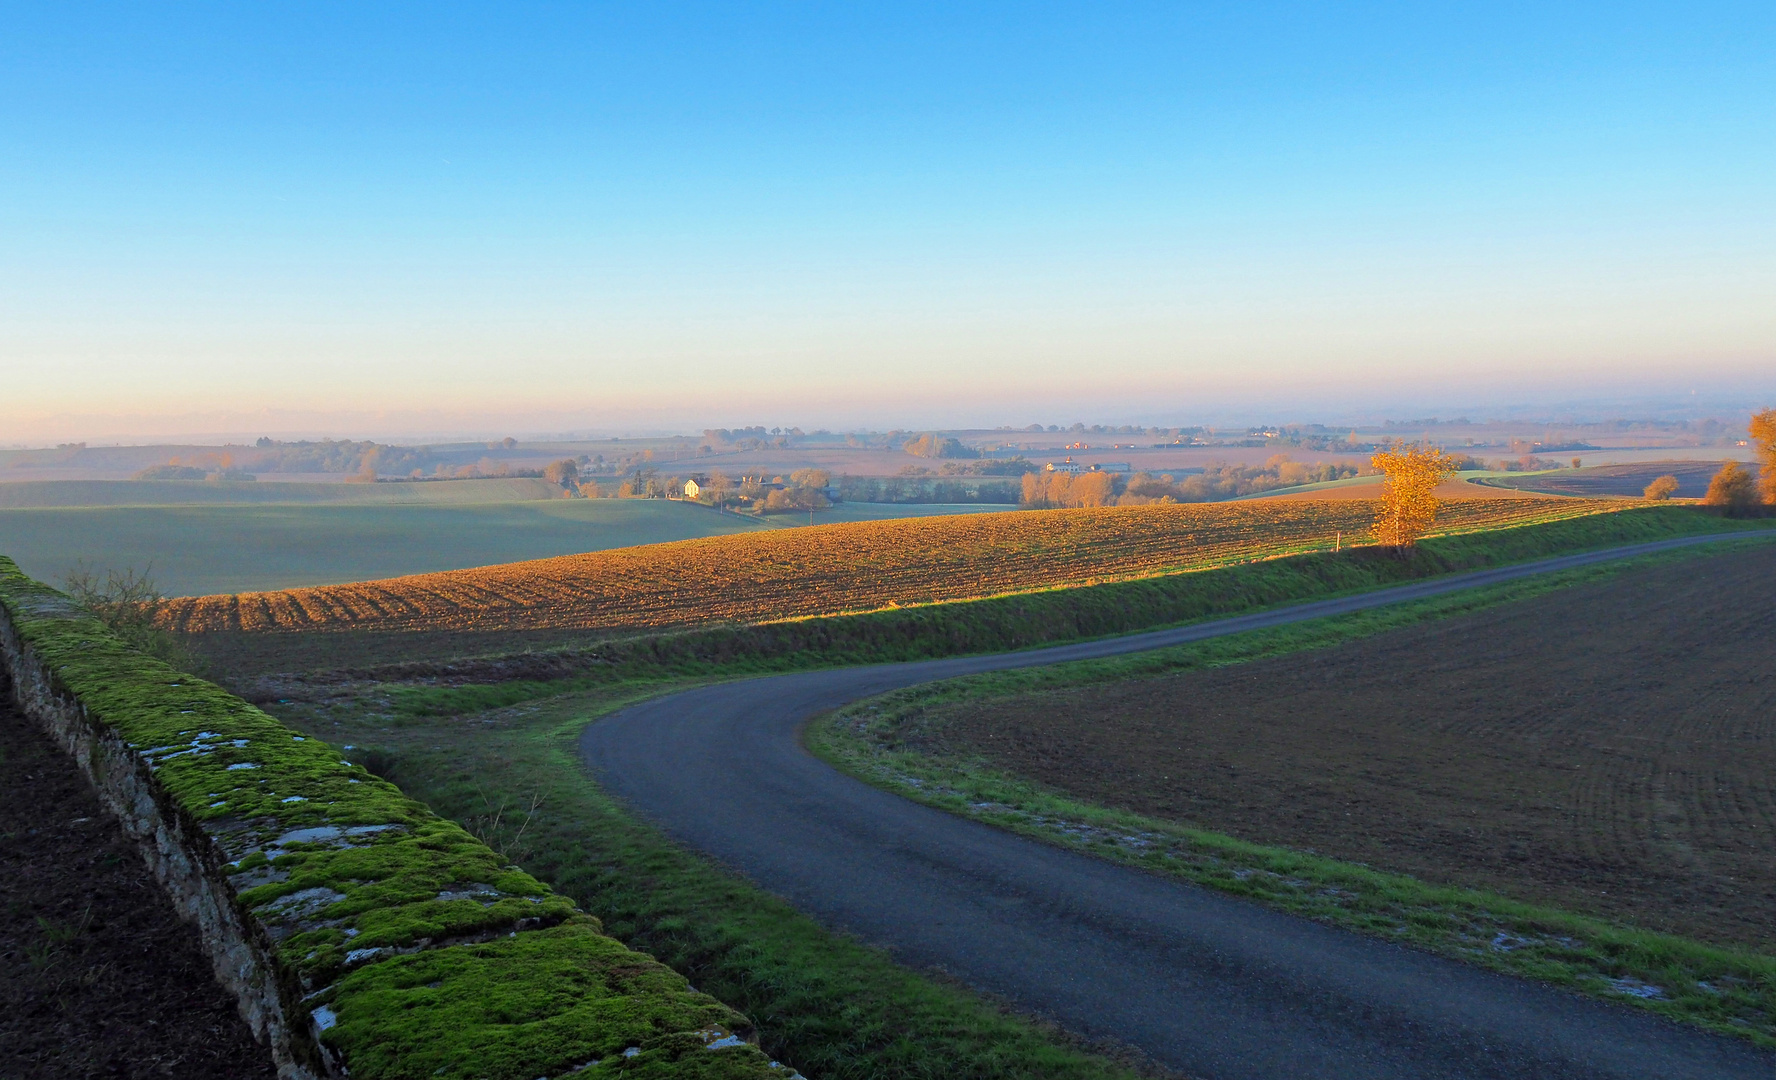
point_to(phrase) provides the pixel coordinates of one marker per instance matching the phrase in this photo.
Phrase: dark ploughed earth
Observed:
(98, 975)
(1609, 748)
(1692, 479)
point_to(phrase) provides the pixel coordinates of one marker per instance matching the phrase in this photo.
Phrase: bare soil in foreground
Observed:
(1610, 748)
(98, 975)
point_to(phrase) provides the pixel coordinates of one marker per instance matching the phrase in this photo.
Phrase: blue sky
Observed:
(584, 215)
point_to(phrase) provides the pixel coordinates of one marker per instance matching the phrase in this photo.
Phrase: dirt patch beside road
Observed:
(1610, 748)
(98, 976)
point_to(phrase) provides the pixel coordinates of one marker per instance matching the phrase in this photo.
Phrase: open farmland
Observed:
(1605, 480)
(195, 550)
(1609, 748)
(829, 569)
(45, 493)
(204, 538)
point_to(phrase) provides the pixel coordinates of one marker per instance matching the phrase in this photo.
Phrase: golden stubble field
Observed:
(832, 569)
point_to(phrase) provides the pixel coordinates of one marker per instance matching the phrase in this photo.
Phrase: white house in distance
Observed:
(1067, 466)
(692, 488)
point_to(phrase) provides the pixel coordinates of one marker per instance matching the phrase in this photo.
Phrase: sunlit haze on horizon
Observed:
(379, 220)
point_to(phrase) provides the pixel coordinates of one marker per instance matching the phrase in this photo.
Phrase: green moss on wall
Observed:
(418, 951)
(535, 1004)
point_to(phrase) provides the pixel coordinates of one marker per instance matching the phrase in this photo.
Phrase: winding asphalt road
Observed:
(1206, 984)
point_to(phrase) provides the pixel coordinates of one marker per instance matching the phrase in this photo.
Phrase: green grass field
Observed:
(255, 536)
(66, 493)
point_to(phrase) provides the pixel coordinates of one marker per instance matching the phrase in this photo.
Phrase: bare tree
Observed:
(127, 602)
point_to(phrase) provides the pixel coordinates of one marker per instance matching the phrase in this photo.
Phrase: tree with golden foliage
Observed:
(1763, 435)
(1408, 505)
(1732, 489)
(1662, 488)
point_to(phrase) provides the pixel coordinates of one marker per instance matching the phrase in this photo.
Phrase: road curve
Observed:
(1206, 984)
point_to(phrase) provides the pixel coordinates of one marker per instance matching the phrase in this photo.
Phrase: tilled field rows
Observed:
(832, 569)
(1610, 749)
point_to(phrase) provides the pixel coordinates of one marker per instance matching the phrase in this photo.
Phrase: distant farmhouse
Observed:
(694, 487)
(1067, 466)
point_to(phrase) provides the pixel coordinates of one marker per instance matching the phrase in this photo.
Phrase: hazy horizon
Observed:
(418, 222)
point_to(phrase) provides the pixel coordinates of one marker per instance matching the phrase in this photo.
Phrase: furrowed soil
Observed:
(1610, 748)
(98, 975)
(1606, 480)
(830, 569)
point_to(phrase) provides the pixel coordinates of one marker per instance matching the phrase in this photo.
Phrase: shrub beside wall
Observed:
(360, 931)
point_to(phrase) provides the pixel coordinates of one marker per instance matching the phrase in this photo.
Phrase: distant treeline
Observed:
(926, 489)
(323, 456)
(336, 456)
(364, 458)
(1216, 482)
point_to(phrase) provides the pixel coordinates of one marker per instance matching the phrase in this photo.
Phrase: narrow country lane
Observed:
(1205, 983)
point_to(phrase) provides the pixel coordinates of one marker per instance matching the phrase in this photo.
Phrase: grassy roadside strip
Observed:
(824, 1004)
(1724, 990)
(1028, 620)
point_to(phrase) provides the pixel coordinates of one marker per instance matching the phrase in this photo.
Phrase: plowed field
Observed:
(1610, 748)
(830, 569)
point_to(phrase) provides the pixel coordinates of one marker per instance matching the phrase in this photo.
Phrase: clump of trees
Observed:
(337, 456)
(1763, 436)
(939, 446)
(210, 466)
(1408, 500)
(645, 484)
(806, 490)
(562, 473)
(1216, 482)
(1733, 489)
(1044, 490)
(171, 472)
(1661, 489)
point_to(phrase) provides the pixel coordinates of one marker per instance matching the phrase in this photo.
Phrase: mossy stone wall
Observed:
(362, 934)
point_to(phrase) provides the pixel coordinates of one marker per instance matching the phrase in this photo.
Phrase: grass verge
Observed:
(1724, 990)
(824, 1004)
